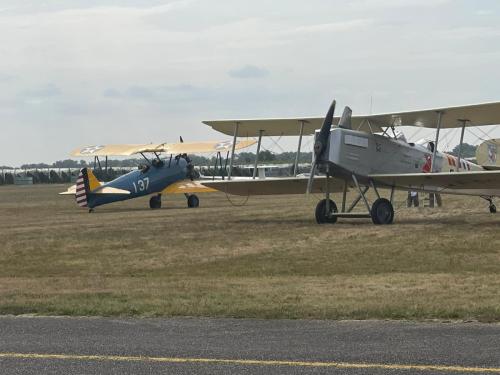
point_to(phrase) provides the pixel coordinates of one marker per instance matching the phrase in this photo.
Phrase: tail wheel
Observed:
(493, 209)
(382, 212)
(322, 216)
(193, 201)
(155, 202)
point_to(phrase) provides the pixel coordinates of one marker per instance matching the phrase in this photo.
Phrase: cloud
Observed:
(395, 4)
(155, 93)
(484, 12)
(332, 26)
(42, 92)
(249, 71)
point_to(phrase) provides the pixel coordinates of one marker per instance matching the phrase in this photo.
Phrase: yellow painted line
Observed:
(247, 362)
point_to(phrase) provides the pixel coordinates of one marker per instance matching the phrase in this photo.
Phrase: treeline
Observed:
(243, 158)
(265, 157)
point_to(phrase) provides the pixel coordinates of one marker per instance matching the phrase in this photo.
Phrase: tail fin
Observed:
(85, 184)
(487, 154)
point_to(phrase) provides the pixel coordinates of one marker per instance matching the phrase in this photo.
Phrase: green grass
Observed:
(267, 259)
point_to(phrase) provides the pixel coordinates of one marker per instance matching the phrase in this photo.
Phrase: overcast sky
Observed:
(94, 72)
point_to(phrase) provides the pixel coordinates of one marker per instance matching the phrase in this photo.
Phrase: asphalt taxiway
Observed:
(38, 345)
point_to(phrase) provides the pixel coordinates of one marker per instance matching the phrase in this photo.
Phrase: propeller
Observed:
(192, 174)
(321, 142)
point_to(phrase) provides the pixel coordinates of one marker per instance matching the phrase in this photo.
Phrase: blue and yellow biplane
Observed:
(171, 175)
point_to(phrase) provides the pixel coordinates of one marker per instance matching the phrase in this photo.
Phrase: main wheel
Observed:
(493, 209)
(382, 212)
(193, 201)
(323, 217)
(155, 202)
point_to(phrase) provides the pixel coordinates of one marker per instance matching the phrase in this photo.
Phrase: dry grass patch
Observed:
(265, 260)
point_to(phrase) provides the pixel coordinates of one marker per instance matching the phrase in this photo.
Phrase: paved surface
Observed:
(230, 346)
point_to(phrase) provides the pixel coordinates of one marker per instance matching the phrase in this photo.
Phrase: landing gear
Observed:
(193, 201)
(492, 207)
(323, 213)
(382, 212)
(155, 202)
(91, 210)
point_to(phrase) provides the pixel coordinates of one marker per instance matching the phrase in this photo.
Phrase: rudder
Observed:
(85, 184)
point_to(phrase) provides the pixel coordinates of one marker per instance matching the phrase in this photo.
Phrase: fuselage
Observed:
(364, 154)
(147, 180)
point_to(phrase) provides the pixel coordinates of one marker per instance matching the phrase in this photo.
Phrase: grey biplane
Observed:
(367, 152)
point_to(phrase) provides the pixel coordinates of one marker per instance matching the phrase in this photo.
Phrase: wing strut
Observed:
(438, 128)
(261, 132)
(464, 123)
(235, 136)
(301, 134)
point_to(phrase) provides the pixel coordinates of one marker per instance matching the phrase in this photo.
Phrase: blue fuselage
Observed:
(149, 180)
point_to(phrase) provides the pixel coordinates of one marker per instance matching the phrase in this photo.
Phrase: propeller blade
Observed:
(320, 144)
(322, 138)
(345, 120)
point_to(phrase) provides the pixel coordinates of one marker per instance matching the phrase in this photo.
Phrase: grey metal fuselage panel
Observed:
(363, 154)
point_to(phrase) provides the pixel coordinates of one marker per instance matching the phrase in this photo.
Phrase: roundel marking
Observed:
(90, 149)
(223, 145)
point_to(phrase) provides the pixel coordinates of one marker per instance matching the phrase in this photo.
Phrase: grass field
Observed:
(267, 259)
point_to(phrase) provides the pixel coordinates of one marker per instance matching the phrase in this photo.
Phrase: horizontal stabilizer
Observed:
(100, 190)
(110, 190)
(71, 191)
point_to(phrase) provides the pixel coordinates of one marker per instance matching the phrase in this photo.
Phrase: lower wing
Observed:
(187, 187)
(470, 183)
(275, 186)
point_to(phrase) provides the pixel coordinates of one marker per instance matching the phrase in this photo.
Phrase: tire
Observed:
(382, 212)
(155, 202)
(320, 213)
(493, 209)
(193, 201)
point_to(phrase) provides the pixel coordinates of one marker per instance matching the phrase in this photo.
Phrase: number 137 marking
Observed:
(141, 185)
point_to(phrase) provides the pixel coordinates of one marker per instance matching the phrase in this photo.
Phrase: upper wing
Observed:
(187, 187)
(200, 147)
(442, 182)
(274, 186)
(116, 150)
(172, 148)
(477, 114)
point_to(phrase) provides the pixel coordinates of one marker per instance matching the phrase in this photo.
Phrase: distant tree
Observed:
(246, 158)
(35, 166)
(9, 178)
(468, 151)
(69, 163)
(267, 156)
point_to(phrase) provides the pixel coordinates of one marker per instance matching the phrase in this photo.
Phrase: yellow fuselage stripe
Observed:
(247, 362)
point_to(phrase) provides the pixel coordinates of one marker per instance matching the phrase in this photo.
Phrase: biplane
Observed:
(368, 152)
(157, 176)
